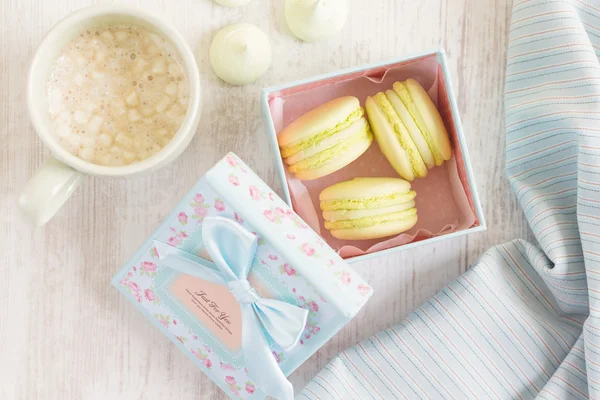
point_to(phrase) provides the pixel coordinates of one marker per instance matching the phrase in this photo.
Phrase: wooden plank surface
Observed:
(65, 333)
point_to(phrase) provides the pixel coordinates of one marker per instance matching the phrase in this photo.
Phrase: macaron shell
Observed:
(364, 188)
(430, 117)
(388, 142)
(413, 129)
(328, 142)
(320, 119)
(376, 231)
(342, 215)
(341, 159)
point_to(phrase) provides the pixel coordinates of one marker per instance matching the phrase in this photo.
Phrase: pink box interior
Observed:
(444, 201)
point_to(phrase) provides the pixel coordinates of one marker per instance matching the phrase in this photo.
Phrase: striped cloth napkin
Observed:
(524, 321)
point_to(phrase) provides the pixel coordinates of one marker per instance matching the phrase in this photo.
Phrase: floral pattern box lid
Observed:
(292, 264)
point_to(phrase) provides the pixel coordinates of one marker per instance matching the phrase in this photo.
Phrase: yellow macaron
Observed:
(368, 208)
(409, 129)
(325, 139)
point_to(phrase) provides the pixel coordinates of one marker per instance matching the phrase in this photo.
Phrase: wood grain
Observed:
(65, 333)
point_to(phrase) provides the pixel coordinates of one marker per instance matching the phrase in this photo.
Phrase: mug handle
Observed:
(47, 190)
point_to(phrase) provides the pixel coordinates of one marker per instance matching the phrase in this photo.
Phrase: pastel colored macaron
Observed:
(368, 208)
(409, 129)
(325, 139)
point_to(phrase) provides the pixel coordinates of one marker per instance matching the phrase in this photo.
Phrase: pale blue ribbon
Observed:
(232, 249)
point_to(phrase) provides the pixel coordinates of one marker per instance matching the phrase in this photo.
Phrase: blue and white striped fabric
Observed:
(523, 322)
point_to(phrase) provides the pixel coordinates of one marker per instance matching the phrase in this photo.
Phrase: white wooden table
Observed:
(65, 333)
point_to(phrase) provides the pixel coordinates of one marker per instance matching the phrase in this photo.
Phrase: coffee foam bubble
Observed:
(95, 75)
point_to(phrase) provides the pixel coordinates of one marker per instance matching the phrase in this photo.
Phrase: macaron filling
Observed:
(404, 94)
(368, 202)
(325, 156)
(342, 215)
(371, 221)
(402, 134)
(309, 141)
(329, 142)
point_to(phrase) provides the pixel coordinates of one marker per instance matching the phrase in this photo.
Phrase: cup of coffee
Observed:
(112, 91)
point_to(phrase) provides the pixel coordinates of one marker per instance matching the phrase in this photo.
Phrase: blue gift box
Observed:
(291, 264)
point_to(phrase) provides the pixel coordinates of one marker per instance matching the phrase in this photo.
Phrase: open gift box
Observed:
(233, 225)
(447, 201)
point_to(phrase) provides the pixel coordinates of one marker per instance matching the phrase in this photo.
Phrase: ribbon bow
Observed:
(232, 249)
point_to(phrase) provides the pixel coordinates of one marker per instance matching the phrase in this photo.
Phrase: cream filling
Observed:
(329, 142)
(368, 202)
(312, 140)
(342, 215)
(371, 221)
(406, 98)
(402, 134)
(324, 157)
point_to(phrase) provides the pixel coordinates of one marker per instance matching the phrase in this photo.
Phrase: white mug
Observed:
(54, 182)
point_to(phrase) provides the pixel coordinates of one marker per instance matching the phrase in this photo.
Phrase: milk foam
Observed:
(117, 94)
